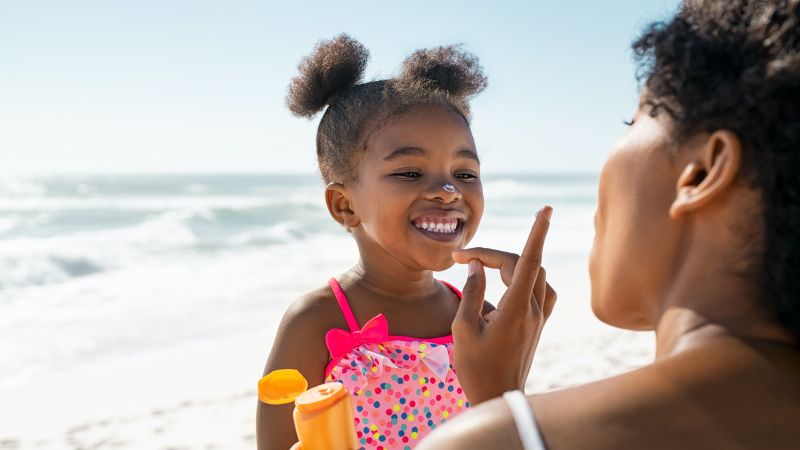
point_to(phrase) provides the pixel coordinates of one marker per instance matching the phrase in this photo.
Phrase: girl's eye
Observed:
(408, 174)
(628, 122)
(466, 176)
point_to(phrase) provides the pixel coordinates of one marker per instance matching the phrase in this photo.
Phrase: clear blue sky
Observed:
(198, 86)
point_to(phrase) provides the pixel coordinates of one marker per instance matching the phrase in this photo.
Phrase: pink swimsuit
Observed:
(402, 387)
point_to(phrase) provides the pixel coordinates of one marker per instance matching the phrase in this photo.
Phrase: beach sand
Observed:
(204, 396)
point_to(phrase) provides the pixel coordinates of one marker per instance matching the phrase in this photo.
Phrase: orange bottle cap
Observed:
(320, 397)
(281, 386)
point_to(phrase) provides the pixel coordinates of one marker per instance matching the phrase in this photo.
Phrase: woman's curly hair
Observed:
(331, 77)
(735, 65)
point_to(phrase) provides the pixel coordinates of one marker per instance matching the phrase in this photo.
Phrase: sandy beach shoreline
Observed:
(201, 396)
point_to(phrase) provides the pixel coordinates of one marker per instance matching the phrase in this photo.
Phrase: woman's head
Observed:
(716, 136)
(387, 149)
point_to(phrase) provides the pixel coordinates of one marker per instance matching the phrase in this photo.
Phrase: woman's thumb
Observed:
(469, 310)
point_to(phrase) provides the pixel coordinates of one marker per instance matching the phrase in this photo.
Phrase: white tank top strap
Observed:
(526, 423)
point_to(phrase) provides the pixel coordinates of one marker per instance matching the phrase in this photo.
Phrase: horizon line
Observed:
(26, 174)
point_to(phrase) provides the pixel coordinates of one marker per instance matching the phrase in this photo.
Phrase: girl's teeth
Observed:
(449, 227)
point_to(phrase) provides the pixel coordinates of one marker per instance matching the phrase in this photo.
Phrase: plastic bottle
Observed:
(323, 415)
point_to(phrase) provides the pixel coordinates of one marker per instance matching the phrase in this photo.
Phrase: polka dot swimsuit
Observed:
(402, 387)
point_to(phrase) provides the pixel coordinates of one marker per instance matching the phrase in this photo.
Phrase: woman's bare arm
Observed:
(729, 393)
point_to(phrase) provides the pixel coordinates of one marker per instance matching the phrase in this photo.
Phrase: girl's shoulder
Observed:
(300, 340)
(315, 310)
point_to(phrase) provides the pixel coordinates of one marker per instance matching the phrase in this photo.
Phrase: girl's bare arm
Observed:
(299, 344)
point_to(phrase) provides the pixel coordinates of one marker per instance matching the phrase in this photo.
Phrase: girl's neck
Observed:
(393, 283)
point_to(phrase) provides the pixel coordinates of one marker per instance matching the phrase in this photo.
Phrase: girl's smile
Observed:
(441, 225)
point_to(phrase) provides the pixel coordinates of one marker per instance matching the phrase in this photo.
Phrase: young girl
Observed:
(402, 176)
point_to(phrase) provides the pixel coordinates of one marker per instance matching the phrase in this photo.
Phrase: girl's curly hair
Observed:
(331, 76)
(735, 65)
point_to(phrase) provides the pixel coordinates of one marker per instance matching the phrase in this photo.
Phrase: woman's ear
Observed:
(340, 206)
(710, 175)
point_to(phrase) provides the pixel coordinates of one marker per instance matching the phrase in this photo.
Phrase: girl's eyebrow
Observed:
(405, 151)
(416, 151)
(468, 154)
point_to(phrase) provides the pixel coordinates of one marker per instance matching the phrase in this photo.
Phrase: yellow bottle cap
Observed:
(281, 386)
(320, 397)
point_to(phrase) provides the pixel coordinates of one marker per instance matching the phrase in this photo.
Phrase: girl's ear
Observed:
(710, 175)
(340, 206)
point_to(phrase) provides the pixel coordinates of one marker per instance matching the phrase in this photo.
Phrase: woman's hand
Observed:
(493, 352)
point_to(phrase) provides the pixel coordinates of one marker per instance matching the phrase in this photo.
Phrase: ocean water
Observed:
(105, 267)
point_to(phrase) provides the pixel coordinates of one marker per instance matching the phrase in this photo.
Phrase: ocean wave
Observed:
(197, 188)
(20, 187)
(37, 267)
(280, 233)
(29, 261)
(171, 235)
(8, 223)
(518, 189)
(135, 203)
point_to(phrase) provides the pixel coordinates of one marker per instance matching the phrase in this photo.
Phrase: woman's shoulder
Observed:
(727, 396)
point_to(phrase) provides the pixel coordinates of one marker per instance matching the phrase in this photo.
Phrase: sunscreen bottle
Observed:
(323, 415)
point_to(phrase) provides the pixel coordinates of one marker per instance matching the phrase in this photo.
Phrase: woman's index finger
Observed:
(531, 258)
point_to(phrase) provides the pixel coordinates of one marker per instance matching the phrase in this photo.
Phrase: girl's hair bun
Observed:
(333, 67)
(448, 68)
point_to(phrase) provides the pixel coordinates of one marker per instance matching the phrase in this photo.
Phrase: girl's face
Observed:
(635, 238)
(418, 196)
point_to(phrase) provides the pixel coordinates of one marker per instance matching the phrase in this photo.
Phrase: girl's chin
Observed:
(442, 265)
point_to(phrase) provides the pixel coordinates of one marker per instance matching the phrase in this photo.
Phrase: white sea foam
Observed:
(30, 261)
(8, 223)
(16, 187)
(520, 189)
(283, 232)
(138, 203)
(197, 188)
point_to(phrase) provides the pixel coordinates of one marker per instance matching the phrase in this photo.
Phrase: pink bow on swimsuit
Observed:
(342, 342)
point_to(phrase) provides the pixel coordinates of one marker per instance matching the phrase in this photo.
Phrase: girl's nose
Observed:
(444, 192)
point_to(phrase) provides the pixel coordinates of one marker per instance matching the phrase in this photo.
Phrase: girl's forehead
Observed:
(427, 128)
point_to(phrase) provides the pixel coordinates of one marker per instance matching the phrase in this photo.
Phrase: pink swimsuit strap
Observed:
(344, 305)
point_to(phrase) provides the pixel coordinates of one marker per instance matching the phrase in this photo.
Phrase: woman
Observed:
(697, 238)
